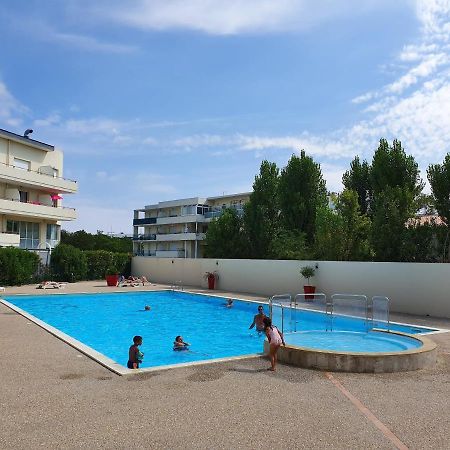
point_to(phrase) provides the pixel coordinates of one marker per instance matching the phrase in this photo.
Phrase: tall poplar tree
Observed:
(302, 191)
(358, 179)
(396, 184)
(262, 210)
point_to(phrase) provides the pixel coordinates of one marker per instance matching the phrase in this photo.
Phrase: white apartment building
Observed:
(177, 228)
(31, 184)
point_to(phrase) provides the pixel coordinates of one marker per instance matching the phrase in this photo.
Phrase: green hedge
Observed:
(68, 263)
(99, 262)
(17, 266)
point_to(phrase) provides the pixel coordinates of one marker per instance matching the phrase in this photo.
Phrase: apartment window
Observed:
(53, 231)
(12, 226)
(23, 196)
(28, 231)
(22, 164)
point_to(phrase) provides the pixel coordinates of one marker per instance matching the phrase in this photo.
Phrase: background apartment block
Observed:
(176, 228)
(31, 185)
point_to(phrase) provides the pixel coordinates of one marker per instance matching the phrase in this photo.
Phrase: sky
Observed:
(153, 100)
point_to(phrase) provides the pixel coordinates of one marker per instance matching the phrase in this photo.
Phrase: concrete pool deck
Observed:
(52, 396)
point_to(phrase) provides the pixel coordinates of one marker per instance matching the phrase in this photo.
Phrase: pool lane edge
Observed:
(109, 363)
(360, 362)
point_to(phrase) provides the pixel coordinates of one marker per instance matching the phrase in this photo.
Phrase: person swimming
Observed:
(180, 345)
(229, 303)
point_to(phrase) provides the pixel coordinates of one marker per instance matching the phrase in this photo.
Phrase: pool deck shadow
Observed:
(55, 397)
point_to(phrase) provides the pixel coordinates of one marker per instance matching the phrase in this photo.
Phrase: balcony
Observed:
(9, 240)
(180, 219)
(145, 221)
(36, 180)
(180, 237)
(36, 211)
(145, 237)
(217, 213)
(169, 253)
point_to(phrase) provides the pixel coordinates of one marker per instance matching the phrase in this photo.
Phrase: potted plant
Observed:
(212, 277)
(308, 272)
(112, 276)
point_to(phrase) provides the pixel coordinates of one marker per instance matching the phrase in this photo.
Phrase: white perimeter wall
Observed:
(414, 288)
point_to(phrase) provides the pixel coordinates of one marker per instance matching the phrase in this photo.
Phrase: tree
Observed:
(358, 179)
(288, 245)
(301, 192)
(262, 210)
(225, 236)
(328, 240)
(439, 178)
(355, 228)
(396, 185)
(389, 236)
(392, 167)
(86, 241)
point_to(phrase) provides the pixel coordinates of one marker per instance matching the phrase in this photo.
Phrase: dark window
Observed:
(23, 196)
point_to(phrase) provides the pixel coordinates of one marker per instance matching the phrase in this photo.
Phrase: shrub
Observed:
(68, 263)
(101, 263)
(98, 262)
(17, 266)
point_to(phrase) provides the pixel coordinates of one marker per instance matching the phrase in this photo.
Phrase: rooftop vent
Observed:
(27, 132)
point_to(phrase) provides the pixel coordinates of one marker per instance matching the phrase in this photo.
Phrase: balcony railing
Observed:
(145, 237)
(38, 172)
(219, 212)
(36, 209)
(18, 175)
(145, 221)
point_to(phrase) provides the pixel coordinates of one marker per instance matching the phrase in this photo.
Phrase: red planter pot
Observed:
(112, 280)
(308, 289)
(211, 282)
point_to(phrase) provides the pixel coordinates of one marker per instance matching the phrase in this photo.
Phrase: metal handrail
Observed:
(376, 298)
(271, 303)
(177, 284)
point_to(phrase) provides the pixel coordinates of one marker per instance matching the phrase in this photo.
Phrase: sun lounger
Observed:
(51, 285)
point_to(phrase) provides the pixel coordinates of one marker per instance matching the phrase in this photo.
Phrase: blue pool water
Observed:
(351, 341)
(107, 323)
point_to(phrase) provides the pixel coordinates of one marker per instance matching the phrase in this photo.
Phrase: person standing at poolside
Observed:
(275, 338)
(258, 320)
(135, 356)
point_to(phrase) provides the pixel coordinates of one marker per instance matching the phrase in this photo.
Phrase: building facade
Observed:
(31, 184)
(177, 228)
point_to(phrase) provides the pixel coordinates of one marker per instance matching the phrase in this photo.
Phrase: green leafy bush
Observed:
(101, 263)
(68, 263)
(17, 266)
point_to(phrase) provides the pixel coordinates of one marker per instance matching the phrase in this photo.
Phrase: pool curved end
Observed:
(359, 362)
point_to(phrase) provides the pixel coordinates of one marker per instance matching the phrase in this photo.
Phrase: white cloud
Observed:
(232, 16)
(86, 43)
(11, 110)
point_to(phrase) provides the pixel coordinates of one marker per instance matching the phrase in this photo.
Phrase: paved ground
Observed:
(51, 396)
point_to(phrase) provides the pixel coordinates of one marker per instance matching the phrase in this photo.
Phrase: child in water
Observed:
(179, 344)
(135, 356)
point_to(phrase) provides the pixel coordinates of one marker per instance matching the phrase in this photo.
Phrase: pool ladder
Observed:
(177, 286)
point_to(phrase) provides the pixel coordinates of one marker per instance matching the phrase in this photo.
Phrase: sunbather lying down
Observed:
(133, 281)
(51, 285)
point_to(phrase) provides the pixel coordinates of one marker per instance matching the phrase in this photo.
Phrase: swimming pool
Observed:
(108, 322)
(352, 341)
